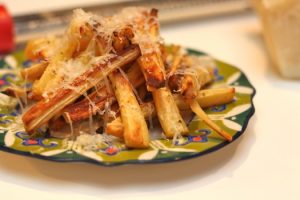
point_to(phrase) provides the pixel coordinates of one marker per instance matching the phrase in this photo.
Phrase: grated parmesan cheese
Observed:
(66, 71)
(89, 142)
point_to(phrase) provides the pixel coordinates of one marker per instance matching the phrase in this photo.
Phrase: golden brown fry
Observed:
(143, 92)
(57, 124)
(15, 91)
(86, 40)
(152, 68)
(195, 107)
(79, 37)
(189, 77)
(135, 127)
(206, 98)
(168, 113)
(116, 127)
(44, 110)
(121, 39)
(81, 110)
(34, 72)
(177, 57)
(151, 62)
(40, 48)
(183, 84)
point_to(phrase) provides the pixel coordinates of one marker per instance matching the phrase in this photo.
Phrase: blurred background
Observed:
(34, 18)
(279, 18)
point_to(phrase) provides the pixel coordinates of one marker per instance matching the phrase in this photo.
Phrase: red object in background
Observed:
(6, 31)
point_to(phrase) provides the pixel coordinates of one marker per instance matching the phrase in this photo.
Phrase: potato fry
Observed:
(135, 127)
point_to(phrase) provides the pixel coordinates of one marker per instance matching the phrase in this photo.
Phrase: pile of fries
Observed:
(117, 71)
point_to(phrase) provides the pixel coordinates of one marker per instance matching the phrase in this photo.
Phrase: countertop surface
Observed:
(262, 164)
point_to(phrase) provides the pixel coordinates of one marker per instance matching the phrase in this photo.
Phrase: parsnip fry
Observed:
(40, 48)
(206, 98)
(44, 110)
(168, 113)
(34, 72)
(115, 128)
(152, 68)
(78, 36)
(202, 115)
(135, 127)
(81, 110)
(15, 91)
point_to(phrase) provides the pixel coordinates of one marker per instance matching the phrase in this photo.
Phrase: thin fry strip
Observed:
(202, 115)
(206, 98)
(34, 72)
(44, 110)
(15, 91)
(176, 60)
(135, 127)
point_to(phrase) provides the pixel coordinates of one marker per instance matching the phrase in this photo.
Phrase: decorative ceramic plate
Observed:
(232, 117)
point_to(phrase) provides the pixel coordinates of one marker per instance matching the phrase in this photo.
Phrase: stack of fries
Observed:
(118, 71)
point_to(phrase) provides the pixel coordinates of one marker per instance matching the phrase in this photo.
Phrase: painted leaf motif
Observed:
(238, 110)
(232, 125)
(9, 139)
(89, 154)
(215, 117)
(243, 90)
(11, 61)
(163, 147)
(234, 77)
(180, 150)
(53, 152)
(149, 155)
(5, 71)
